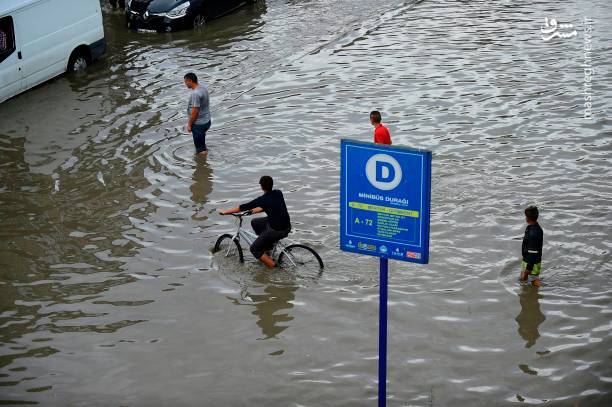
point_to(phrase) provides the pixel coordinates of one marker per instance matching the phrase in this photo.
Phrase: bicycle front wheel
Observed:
(300, 256)
(229, 247)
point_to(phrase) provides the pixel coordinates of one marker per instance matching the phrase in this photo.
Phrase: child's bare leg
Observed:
(267, 260)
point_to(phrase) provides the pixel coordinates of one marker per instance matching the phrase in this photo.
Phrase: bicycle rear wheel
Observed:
(229, 247)
(300, 256)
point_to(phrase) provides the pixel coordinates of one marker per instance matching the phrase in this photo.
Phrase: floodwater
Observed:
(109, 293)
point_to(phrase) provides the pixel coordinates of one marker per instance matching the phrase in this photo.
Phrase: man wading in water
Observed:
(198, 113)
(273, 227)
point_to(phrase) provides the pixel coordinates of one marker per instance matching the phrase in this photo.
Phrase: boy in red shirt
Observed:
(381, 133)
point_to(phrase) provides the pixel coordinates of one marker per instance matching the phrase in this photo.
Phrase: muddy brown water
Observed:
(109, 293)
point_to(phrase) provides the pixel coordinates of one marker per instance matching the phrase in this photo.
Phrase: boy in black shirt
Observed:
(271, 228)
(532, 247)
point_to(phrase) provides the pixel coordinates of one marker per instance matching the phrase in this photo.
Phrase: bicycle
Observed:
(294, 255)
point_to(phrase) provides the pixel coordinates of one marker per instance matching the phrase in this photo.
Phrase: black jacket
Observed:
(273, 204)
(532, 245)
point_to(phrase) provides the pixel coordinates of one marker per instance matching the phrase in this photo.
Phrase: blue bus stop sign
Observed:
(385, 196)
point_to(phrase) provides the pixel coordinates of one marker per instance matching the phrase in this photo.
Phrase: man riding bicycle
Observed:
(269, 229)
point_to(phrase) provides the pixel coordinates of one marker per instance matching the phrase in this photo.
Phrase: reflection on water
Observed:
(272, 300)
(202, 181)
(531, 317)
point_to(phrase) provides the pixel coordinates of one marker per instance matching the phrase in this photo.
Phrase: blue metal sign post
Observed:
(385, 194)
(382, 333)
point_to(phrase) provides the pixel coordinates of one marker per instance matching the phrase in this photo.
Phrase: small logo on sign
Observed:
(383, 172)
(413, 255)
(364, 246)
(383, 249)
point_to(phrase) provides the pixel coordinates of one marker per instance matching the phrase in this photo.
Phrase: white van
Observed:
(40, 39)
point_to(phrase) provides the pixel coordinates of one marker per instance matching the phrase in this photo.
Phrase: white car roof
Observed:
(9, 6)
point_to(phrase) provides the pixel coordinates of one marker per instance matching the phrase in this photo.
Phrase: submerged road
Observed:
(109, 294)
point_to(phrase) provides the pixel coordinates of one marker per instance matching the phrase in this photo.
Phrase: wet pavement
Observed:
(109, 292)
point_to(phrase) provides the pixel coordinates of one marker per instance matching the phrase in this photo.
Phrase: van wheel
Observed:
(78, 62)
(199, 21)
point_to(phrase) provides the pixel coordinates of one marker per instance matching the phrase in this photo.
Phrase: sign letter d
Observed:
(383, 172)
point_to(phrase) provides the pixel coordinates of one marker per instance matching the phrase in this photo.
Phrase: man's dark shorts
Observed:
(267, 236)
(199, 136)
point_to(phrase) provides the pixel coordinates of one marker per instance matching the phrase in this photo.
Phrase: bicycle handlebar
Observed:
(241, 214)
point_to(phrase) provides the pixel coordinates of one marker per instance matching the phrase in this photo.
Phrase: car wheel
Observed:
(78, 62)
(199, 21)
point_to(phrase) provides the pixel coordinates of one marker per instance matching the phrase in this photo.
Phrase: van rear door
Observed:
(11, 72)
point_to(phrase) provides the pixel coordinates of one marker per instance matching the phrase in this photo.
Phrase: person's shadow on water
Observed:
(530, 317)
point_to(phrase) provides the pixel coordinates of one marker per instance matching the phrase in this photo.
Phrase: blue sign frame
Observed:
(385, 195)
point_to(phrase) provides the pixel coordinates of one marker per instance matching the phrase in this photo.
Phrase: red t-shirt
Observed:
(382, 135)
